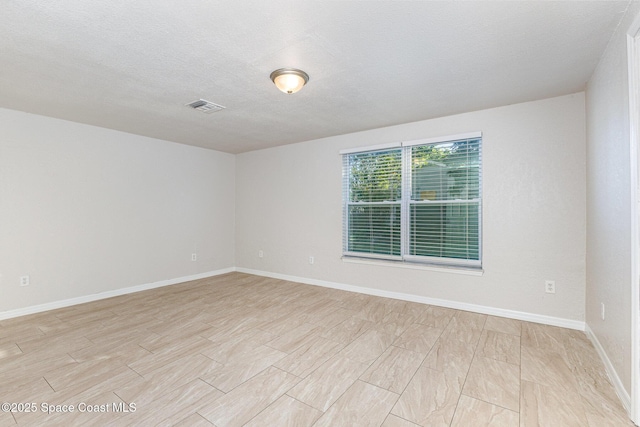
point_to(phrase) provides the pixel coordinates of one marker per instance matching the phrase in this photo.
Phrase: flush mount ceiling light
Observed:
(289, 80)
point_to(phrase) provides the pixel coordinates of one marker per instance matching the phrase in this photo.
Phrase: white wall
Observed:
(289, 205)
(85, 210)
(609, 203)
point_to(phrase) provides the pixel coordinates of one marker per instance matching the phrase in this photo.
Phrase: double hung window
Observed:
(417, 201)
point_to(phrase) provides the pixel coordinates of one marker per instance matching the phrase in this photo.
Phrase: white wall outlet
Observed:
(550, 286)
(24, 280)
(602, 310)
(194, 257)
(260, 254)
(311, 260)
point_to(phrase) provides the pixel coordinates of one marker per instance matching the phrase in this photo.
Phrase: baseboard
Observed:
(108, 294)
(623, 395)
(512, 314)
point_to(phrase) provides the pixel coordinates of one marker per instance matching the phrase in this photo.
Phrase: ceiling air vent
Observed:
(205, 106)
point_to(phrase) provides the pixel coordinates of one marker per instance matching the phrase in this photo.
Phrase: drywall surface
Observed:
(609, 203)
(289, 205)
(84, 210)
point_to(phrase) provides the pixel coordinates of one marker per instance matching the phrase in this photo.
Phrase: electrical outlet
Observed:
(194, 257)
(260, 254)
(311, 260)
(602, 310)
(550, 286)
(24, 280)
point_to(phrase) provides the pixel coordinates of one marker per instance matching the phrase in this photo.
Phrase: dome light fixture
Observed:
(289, 80)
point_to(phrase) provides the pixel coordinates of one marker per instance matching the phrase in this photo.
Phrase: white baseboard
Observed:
(512, 314)
(624, 396)
(108, 294)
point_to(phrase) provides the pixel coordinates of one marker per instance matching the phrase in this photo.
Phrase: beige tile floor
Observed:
(238, 350)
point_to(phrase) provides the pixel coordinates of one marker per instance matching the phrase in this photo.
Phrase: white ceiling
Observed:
(132, 65)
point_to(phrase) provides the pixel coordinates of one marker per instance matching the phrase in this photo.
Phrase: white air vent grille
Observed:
(205, 106)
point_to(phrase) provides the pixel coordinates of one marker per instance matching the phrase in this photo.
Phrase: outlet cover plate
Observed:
(550, 286)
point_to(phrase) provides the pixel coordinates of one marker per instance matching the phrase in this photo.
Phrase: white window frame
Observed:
(406, 202)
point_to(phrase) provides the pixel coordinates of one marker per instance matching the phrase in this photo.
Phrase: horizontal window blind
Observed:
(373, 186)
(418, 203)
(444, 208)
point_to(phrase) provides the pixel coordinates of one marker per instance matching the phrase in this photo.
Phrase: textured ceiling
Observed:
(132, 65)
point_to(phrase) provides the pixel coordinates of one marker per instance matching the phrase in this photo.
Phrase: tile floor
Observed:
(238, 350)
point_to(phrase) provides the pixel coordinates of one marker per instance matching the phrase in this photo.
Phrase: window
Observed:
(417, 201)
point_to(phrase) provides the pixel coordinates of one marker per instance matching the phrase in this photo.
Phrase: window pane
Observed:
(446, 171)
(374, 229)
(375, 176)
(445, 230)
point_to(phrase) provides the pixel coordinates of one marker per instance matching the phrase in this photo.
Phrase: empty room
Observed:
(320, 213)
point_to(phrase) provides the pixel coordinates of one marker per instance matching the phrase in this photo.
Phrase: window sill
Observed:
(469, 271)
